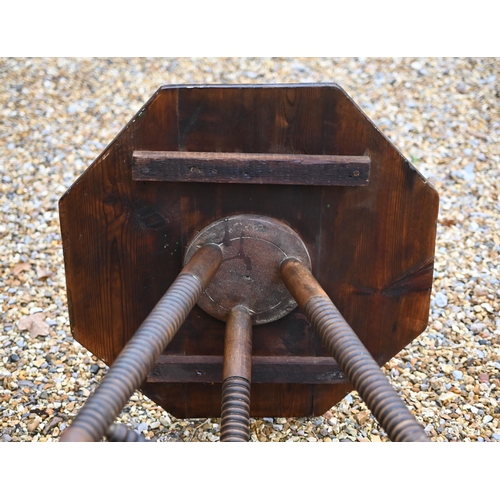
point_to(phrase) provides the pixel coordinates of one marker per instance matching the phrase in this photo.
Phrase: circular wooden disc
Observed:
(253, 248)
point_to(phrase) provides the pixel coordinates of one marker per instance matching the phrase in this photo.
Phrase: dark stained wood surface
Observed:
(250, 168)
(265, 370)
(371, 247)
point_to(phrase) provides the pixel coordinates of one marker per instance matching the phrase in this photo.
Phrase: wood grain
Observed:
(265, 370)
(371, 248)
(250, 168)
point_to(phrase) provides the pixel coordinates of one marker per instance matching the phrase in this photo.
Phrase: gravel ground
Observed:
(56, 116)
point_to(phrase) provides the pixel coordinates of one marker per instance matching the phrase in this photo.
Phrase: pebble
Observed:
(34, 423)
(363, 416)
(437, 325)
(477, 327)
(441, 299)
(448, 396)
(441, 113)
(165, 421)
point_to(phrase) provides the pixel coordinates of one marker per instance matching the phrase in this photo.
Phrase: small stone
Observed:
(447, 369)
(165, 421)
(458, 375)
(437, 325)
(447, 396)
(6, 438)
(468, 173)
(496, 436)
(487, 307)
(348, 399)
(363, 416)
(487, 419)
(94, 368)
(155, 425)
(441, 299)
(33, 425)
(477, 327)
(484, 378)
(142, 427)
(14, 358)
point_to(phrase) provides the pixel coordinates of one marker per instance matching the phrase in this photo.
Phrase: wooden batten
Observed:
(251, 168)
(265, 370)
